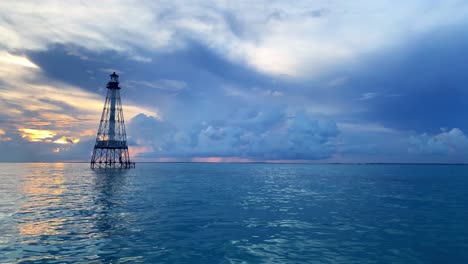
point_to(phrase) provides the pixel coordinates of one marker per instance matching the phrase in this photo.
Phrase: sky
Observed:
(238, 81)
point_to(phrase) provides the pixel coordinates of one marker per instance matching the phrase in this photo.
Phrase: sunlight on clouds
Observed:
(289, 56)
(45, 110)
(65, 140)
(17, 60)
(3, 133)
(36, 134)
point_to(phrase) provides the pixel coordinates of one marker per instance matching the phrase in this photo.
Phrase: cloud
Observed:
(161, 84)
(367, 96)
(146, 130)
(252, 94)
(276, 37)
(449, 142)
(253, 135)
(375, 143)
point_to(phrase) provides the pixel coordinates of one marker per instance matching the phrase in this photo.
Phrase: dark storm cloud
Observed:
(58, 63)
(420, 86)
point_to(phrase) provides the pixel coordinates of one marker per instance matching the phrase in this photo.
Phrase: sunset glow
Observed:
(36, 134)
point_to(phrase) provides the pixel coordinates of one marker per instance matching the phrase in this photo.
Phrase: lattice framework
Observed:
(110, 149)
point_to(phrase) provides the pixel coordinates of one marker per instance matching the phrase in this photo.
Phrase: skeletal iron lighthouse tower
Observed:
(111, 150)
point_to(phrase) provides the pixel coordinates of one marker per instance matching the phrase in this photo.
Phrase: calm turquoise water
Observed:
(234, 213)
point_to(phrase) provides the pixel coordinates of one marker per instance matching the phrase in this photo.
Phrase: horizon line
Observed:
(263, 162)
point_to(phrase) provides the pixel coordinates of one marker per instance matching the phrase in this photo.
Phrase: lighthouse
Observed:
(111, 149)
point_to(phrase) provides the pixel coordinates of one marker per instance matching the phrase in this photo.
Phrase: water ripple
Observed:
(233, 213)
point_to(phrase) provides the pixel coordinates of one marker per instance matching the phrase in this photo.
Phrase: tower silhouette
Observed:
(111, 150)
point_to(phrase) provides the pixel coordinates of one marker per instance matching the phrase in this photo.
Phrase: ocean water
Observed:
(234, 213)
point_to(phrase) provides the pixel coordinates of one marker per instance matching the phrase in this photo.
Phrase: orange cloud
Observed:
(65, 140)
(36, 134)
(2, 133)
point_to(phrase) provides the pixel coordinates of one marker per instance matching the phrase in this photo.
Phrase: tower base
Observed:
(111, 158)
